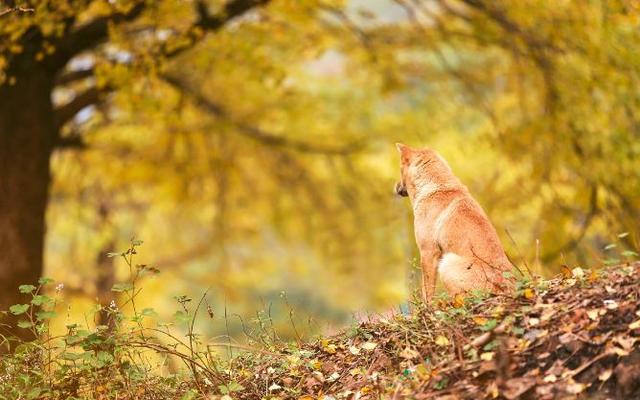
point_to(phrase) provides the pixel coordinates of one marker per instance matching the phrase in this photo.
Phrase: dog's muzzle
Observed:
(401, 190)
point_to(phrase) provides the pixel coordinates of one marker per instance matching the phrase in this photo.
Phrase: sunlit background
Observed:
(259, 164)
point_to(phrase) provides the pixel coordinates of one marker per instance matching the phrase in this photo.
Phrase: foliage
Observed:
(260, 158)
(576, 334)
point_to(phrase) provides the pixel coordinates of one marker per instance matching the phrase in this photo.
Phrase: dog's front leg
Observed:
(429, 256)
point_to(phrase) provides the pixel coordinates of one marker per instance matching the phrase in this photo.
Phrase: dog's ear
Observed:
(402, 148)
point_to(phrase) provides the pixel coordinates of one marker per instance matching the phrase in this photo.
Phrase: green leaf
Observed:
(489, 325)
(610, 246)
(24, 324)
(122, 287)
(71, 356)
(231, 387)
(136, 242)
(44, 315)
(18, 309)
(629, 253)
(490, 346)
(39, 300)
(111, 255)
(517, 330)
(44, 281)
(149, 312)
(105, 357)
(26, 288)
(181, 317)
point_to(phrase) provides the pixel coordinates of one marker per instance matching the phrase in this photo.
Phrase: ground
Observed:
(572, 337)
(575, 336)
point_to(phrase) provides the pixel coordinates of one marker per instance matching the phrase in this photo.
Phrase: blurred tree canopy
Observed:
(250, 142)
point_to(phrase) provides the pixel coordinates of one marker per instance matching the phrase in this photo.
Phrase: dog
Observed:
(455, 238)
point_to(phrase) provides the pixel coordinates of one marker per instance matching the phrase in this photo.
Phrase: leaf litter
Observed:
(573, 337)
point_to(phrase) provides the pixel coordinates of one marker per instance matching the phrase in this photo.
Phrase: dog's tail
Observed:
(462, 274)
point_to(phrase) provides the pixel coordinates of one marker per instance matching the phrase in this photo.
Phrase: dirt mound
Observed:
(575, 336)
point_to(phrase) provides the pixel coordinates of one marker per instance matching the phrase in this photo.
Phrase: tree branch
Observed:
(16, 9)
(65, 113)
(71, 142)
(208, 22)
(256, 133)
(93, 33)
(231, 10)
(74, 76)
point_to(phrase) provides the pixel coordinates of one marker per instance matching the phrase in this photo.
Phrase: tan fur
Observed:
(455, 238)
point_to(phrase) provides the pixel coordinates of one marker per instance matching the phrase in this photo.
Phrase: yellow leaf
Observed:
(529, 293)
(634, 325)
(577, 272)
(593, 276)
(480, 320)
(593, 314)
(365, 389)
(492, 390)
(458, 301)
(442, 341)
(369, 345)
(488, 356)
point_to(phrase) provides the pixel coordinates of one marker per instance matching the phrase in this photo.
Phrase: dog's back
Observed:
(473, 257)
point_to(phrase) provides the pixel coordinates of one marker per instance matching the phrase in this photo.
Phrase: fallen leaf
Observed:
(550, 378)
(479, 320)
(605, 375)
(566, 272)
(274, 387)
(369, 345)
(409, 353)
(442, 341)
(610, 304)
(354, 350)
(577, 272)
(575, 388)
(516, 387)
(634, 325)
(529, 293)
(488, 356)
(593, 314)
(492, 390)
(458, 301)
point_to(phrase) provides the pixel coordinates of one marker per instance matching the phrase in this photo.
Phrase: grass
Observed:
(572, 336)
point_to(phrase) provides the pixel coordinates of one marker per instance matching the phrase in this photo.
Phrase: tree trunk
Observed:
(27, 139)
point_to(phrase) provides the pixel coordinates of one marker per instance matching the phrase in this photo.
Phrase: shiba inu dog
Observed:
(455, 238)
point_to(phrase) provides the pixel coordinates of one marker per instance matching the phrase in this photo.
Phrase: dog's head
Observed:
(405, 160)
(418, 166)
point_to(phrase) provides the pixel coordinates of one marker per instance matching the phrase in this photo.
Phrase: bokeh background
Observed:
(258, 161)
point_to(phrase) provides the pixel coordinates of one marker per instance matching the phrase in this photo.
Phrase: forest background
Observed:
(250, 144)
